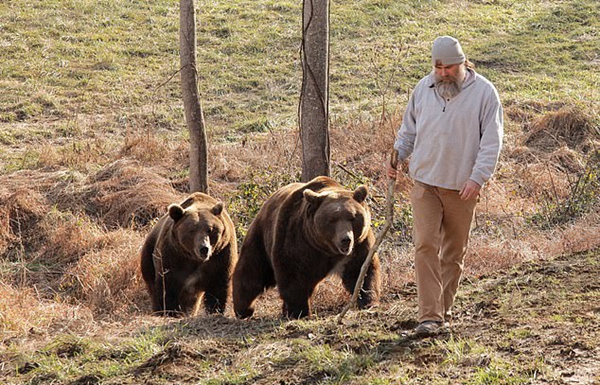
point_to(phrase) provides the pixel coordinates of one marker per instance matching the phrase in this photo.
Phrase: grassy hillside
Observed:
(93, 148)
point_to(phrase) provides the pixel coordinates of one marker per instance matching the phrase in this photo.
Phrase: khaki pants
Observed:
(442, 223)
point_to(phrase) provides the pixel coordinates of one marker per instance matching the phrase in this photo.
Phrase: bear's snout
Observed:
(346, 245)
(204, 249)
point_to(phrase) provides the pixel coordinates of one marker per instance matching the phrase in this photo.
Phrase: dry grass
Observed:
(108, 279)
(23, 313)
(72, 242)
(569, 126)
(69, 238)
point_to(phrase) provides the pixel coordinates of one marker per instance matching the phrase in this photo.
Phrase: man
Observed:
(452, 130)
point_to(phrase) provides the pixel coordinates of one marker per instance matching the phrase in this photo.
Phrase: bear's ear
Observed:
(217, 209)
(176, 212)
(311, 197)
(187, 203)
(360, 194)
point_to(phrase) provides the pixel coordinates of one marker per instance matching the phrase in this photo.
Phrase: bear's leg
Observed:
(147, 260)
(148, 274)
(295, 301)
(188, 302)
(253, 275)
(243, 305)
(217, 282)
(245, 293)
(166, 302)
(215, 299)
(369, 293)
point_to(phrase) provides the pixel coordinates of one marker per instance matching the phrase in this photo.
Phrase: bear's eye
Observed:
(350, 217)
(213, 231)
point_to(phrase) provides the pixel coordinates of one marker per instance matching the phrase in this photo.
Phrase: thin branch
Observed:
(389, 219)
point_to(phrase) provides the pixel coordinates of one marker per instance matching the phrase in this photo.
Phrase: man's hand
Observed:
(392, 172)
(470, 190)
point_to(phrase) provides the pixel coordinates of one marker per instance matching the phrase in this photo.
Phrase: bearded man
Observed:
(452, 131)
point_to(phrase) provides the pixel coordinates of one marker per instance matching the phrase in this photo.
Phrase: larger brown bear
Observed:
(302, 233)
(190, 251)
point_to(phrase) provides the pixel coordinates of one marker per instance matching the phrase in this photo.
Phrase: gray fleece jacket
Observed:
(451, 141)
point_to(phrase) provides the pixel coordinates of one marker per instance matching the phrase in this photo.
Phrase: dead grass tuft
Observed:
(69, 256)
(68, 237)
(582, 235)
(567, 159)
(55, 209)
(107, 279)
(123, 194)
(523, 155)
(497, 253)
(532, 182)
(83, 265)
(23, 313)
(487, 256)
(152, 149)
(20, 210)
(569, 126)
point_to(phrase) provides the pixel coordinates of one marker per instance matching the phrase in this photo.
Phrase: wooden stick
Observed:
(389, 219)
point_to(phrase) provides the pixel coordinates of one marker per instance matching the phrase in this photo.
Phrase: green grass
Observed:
(68, 356)
(68, 58)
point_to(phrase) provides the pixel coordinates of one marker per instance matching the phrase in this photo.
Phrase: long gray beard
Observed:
(447, 90)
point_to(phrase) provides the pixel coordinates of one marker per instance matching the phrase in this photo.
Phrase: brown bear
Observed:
(191, 251)
(302, 233)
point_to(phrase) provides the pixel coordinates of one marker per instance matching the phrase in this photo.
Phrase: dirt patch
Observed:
(547, 311)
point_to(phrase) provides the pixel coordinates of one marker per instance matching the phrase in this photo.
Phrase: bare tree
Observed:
(191, 103)
(314, 98)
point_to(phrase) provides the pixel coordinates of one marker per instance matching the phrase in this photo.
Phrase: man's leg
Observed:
(456, 226)
(427, 215)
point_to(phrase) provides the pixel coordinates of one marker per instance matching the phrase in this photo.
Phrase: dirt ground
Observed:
(535, 324)
(548, 310)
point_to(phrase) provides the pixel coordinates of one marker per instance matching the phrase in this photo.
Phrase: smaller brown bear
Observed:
(190, 251)
(302, 233)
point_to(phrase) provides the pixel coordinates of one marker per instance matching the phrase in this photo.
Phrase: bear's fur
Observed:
(302, 233)
(190, 251)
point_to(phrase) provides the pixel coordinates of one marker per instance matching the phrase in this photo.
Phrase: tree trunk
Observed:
(191, 103)
(314, 99)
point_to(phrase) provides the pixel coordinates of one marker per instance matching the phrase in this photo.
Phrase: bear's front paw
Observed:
(295, 312)
(366, 301)
(244, 313)
(169, 313)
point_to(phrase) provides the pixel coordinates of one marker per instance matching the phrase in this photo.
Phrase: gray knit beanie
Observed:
(447, 51)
